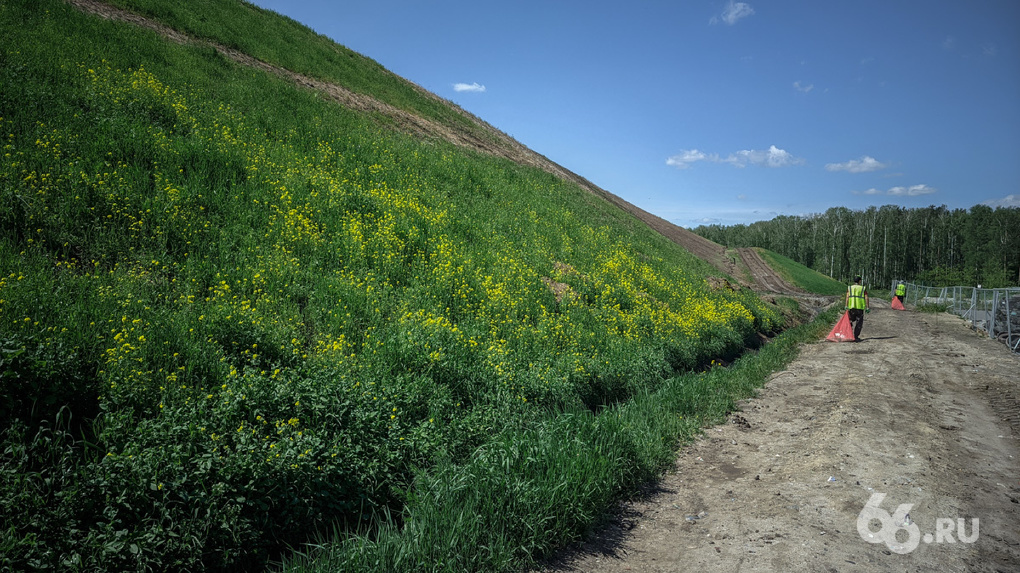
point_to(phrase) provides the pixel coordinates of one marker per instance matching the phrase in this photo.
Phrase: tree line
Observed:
(933, 245)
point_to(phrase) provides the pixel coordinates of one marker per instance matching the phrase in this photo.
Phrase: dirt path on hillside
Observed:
(484, 138)
(766, 280)
(769, 284)
(922, 410)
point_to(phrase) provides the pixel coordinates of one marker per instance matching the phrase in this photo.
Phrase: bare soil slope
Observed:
(923, 410)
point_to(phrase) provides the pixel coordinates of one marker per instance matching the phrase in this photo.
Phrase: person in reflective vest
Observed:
(901, 291)
(857, 303)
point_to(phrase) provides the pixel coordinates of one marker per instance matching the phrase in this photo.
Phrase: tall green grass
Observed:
(533, 490)
(234, 316)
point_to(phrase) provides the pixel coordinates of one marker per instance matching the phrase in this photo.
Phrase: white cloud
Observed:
(989, 50)
(733, 12)
(949, 43)
(900, 191)
(802, 88)
(475, 87)
(742, 197)
(685, 158)
(862, 165)
(1007, 201)
(771, 157)
(871, 191)
(912, 191)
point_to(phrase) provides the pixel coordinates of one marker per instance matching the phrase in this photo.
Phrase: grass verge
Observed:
(532, 490)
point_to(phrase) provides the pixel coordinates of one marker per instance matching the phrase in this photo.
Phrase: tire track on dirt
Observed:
(765, 278)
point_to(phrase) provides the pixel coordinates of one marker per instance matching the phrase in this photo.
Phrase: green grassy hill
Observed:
(236, 317)
(801, 276)
(281, 41)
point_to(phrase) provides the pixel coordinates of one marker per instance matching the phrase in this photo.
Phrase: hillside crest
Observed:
(495, 142)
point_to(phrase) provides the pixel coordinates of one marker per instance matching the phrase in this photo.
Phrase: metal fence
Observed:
(995, 311)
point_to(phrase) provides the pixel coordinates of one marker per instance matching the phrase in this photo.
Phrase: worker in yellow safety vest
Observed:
(901, 291)
(857, 303)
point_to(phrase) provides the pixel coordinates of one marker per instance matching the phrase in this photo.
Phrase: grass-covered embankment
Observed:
(532, 490)
(801, 276)
(281, 41)
(234, 315)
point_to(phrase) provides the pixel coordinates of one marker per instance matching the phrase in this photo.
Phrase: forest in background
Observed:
(934, 245)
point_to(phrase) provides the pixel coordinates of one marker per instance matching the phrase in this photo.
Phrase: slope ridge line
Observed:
(501, 145)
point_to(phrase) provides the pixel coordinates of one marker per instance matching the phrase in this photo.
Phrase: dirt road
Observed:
(923, 410)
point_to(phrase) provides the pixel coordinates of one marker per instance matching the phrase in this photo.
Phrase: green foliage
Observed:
(988, 276)
(233, 315)
(537, 487)
(931, 244)
(942, 276)
(38, 378)
(933, 307)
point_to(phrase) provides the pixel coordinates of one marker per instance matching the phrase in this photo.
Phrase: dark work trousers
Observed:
(856, 319)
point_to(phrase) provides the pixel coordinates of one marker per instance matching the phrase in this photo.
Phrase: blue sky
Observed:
(724, 112)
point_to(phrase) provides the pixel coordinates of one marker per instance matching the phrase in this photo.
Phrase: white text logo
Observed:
(891, 526)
